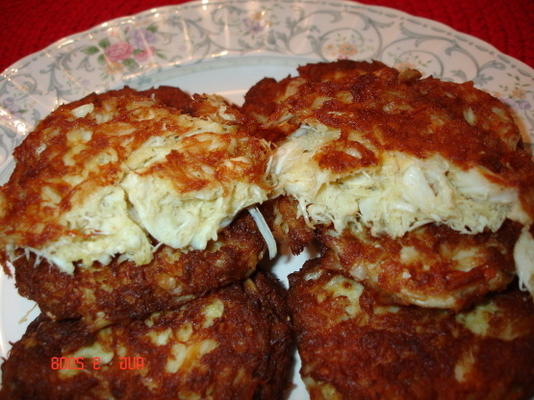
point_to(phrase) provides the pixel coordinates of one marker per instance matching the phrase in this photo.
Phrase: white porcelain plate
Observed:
(225, 47)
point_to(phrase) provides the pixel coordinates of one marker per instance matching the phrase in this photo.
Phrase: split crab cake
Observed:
(363, 146)
(125, 203)
(353, 345)
(233, 343)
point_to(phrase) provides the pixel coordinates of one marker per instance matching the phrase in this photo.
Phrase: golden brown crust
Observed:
(290, 231)
(56, 155)
(59, 162)
(353, 346)
(235, 343)
(391, 111)
(172, 97)
(431, 266)
(24, 206)
(104, 294)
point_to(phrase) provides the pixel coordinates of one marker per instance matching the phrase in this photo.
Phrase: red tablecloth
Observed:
(27, 26)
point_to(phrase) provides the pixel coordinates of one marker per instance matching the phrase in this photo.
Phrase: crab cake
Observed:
(102, 294)
(353, 345)
(431, 266)
(233, 343)
(363, 145)
(118, 200)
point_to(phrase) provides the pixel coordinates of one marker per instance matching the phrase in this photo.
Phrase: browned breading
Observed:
(234, 343)
(171, 96)
(353, 346)
(103, 294)
(378, 113)
(290, 231)
(68, 157)
(69, 197)
(397, 110)
(431, 266)
(373, 152)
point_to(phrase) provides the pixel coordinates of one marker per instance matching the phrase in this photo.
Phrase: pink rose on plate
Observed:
(119, 51)
(143, 55)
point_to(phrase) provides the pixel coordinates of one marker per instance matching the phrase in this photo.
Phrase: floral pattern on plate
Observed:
(127, 48)
(128, 51)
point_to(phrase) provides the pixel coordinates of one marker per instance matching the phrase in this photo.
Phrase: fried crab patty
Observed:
(102, 294)
(126, 203)
(361, 145)
(354, 346)
(431, 266)
(233, 343)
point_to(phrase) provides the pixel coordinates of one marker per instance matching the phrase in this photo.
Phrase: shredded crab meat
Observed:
(264, 230)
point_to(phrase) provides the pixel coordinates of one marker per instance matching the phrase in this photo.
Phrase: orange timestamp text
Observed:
(73, 363)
